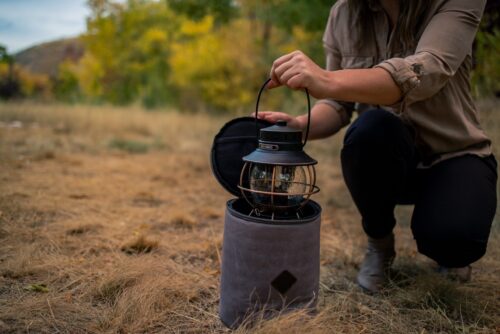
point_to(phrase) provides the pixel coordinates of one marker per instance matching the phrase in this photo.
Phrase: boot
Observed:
(379, 256)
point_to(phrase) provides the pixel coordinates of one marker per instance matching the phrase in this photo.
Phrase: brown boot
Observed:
(379, 256)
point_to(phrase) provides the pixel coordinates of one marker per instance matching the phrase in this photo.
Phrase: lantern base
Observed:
(268, 266)
(245, 211)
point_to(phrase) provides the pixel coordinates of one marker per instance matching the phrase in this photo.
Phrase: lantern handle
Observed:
(308, 110)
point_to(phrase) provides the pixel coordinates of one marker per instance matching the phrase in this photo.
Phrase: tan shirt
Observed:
(433, 77)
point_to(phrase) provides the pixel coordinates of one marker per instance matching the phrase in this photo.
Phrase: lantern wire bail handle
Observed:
(308, 110)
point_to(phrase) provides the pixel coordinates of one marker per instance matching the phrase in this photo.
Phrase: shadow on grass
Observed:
(448, 304)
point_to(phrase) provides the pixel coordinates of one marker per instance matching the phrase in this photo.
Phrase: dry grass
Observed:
(117, 214)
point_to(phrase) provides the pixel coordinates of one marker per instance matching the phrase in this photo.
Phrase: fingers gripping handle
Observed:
(308, 110)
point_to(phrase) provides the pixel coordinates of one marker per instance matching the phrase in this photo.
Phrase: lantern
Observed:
(279, 175)
(270, 248)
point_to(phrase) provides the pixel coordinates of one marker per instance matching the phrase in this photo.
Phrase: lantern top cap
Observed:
(281, 126)
(280, 144)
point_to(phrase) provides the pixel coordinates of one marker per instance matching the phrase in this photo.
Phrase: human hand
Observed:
(296, 70)
(274, 116)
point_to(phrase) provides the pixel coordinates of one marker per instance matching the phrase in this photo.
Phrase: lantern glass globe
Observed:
(277, 188)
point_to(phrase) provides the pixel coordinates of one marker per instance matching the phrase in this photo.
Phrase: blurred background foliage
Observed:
(486, 74)
(197, 54)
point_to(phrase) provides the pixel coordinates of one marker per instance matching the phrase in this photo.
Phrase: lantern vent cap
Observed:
(280, 144)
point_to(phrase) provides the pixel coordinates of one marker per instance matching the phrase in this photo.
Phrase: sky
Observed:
(24, 23)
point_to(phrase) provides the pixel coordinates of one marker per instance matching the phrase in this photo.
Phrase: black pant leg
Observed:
(454, 209)
(377, 158)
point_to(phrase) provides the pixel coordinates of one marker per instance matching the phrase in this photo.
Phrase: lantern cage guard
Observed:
(272, 210)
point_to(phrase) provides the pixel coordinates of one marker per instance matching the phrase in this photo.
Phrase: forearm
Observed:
(371, 86)
(325, 121)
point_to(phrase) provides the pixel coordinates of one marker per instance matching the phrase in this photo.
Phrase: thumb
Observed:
(273, 84)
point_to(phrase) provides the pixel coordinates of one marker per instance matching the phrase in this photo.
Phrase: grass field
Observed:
(111, 222)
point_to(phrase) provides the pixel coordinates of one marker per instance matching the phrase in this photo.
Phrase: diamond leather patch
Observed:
(283, 282)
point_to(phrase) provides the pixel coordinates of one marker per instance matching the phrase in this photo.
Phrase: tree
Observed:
(9, 86)
(221, 10)
(131, 43)
(486, 74)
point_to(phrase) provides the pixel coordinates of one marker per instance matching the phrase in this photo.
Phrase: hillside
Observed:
(45, 58)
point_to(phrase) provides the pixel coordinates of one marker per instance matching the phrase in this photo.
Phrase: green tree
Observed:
(9, 86)
(131, 43)
(213, 53)
(222, 10)
(486, 74)
(303, 17)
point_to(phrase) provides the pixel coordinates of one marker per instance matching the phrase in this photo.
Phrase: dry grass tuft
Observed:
(26, 261)
(296, 322)
(183, 220)
(210, 213)
(83, 229)
(147, 200)
(146, 293)
(139, 245)
(45, 155)
(112, 286)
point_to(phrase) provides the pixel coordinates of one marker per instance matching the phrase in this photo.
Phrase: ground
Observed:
(111, 222)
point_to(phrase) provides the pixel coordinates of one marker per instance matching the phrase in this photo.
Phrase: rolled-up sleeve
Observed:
(441, 50)
(333, 60)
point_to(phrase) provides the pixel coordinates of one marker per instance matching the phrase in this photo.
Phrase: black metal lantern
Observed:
(278, 178)
(270, 253)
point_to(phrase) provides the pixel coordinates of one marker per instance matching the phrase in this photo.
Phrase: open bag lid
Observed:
(236, 139)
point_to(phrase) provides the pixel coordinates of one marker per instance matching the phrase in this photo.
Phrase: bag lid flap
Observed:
(236, 139)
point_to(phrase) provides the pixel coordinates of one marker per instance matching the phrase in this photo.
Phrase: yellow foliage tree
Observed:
(128, 46)
(217, 65)
(29, 84)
